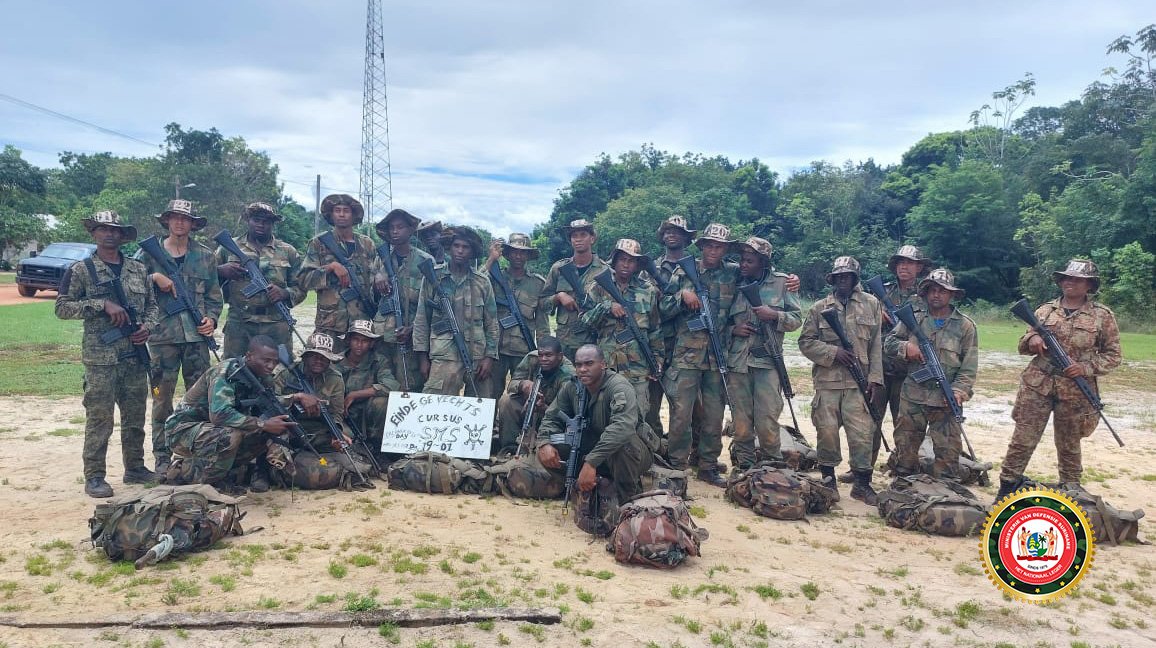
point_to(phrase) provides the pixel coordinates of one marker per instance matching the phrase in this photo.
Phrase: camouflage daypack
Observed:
(775, 491)
(437, 473)
(596, 511)
(329, 471)
(524, 477)
(932, 505)
(166, 520)
(1109, 524)
(793, 446)
(655, 529)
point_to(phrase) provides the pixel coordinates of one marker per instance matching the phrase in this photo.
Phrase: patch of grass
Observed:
(37, 565)
(967, 569)
(912, 623)
(40, 353)
(267, 603)
(583, 624)
(535, 631)
(225, 582)
(337, 570)
(768, 591)
(584, 596)
(361, 603)
(446, 567)
(810, 590)
(406, 565)
(65, 432)
(425, 551)
(692, 626)
(389, 632)
(362, 560)
(697, 511)
(56, 544)
(471, 557)
(895, 572)
(324, 599)
(486, 625)
(965, 613)
(679, 592)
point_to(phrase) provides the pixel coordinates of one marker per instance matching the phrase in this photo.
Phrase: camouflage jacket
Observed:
(692, 348)
(535, 310)
(199, 272)
(612, 413)
(893, 365)
(862, 319)
(527, 370)
(666, 269)
(333, 312)
(330, 388)
(409, 278)
(750, 352)
(280, 263)
(373, 372)
(477, 315)
(568, 325)
(1091, 337)
(216, 398)
(81, 297)
(613, 336)
(957, 345)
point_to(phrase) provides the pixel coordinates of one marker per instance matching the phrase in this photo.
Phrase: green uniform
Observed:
(894, 369)
(334, 314)
(837, 402)
(568, 325)
(613, 336)
(373, 372)
(113, 377)
(477, 316)
(409, 279)
(512, 404)
(329, 388)
(249, 317)
(654, 414)
(535, 309)
(922, 407)
(755, 389)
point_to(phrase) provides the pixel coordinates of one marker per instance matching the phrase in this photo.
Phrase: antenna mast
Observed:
(376, 180)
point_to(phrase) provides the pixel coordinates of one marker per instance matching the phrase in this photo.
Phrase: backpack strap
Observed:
(1108, 520)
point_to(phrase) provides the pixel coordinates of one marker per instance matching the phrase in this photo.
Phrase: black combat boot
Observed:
(1006, 488)
(97, 487)
(862, 490)
(712, 477)
(259, 479)
(847, 477)
(828, 473)
(139, 475)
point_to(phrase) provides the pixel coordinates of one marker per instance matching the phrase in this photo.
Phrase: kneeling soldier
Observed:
(556, 371)
(368, 381)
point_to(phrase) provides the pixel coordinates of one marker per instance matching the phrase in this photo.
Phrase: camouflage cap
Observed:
(911, 253)
(332, 200)
(759, 246)
(255, 208)
(578, 225)
(715, 232)
(383, 224)
(465, 233)
(322, 344)
(108, 218)
(944, 279)
(1080, 269)
(363, 328)
(520, 241)
(627, 246)
(843, 265)
(429, 227)
(675, 222)
(184, 208)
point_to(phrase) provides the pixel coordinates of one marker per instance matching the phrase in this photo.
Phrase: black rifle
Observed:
(267, 403)
(772, 346)
(139, 351)
(257, 281)
(707, 320)
(875, 286)
(655, 275)
(362, 441)
(569, 272)
(334, 429)
(183, 300)
(1061, 359)
(856, 369)
(449, 321)
(528, 417)
(507, 298)
(605, 279)
(355, 291)
(572, 437)
(395, 305)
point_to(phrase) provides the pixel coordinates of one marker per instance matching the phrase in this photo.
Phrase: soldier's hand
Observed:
(525, 387)
(309, 403)
(587, 478)
(766, 313)
(340, 272)
(911, 351)
(617, 311)
(548, 457)
(566, 301)
(207, 326)
(164, 284)
(743, 330)
(277, 293)
(382, 285)
(405, 334)
(231, 270)
(1036, 345)
(691, 301)
(887, 318)
(872, 390)
(793, 283)
(1075, 370)
(484, 368)
(423, 367)
(844, 357)
(495, 250)
(960, 397)
(278, 425)
(139, 336)
(117, 314)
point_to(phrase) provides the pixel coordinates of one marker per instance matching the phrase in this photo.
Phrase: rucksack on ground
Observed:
(170, 519)
(935, 506)
(776, 491)
(655, 529)
(437, 473)
(1109, 524)
(524, 477)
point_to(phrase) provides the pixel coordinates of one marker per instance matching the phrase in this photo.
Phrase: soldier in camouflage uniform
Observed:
(1087, 331)
(568, 325)
(753, 381)
(323, 273)
(177, 344)
(113, 374)
(617, 444)
(534, 306)
(606, 319)
(430, 235)
(316, 363)
(694, 373)
(922, 409)
(837, 402)
(279, 263)
(214, 436)
(675, 236)
(477, 316)
(397, 337)
(368, 380)
(556, 370)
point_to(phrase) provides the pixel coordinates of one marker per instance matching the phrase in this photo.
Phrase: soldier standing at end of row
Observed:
(115, 374)
(555, 370)
(568, 326)
(397, 336)
(533, 307)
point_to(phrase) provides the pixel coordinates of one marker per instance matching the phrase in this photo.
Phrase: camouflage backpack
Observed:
(524, 477)
(655, 529)
(1109, 524)
(775, 491)
(437, 473)
(330, 471)
(932, 505)
(596, 511)
(166, 520)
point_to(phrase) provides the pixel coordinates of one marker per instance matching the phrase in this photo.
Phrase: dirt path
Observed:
(10, 295)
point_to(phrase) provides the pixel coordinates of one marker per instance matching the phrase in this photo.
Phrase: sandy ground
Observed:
(840, 578)
(9, 295)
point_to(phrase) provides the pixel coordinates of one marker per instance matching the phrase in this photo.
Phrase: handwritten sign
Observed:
(459, 426)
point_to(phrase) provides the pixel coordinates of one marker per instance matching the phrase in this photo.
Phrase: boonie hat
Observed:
(577, 225)
(675, 222)
(520, 241)
(1080, 269)
(627, 246)
(321, 344)
(108, 218)
(463, 232)
(911, 253)
(944, 279)
(254, 208)
(363, 328)
(383, 224)
(842, 265)
(759, 246)
(333, 200)
(184, 208)
(715, 232)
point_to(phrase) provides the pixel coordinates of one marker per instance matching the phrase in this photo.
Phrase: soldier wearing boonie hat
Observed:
(675, 234)
(397, 229)
(569, 329)
(430, 233)
(316, 364)
(922, 409)
(534, 307)
(756, 397)
(369, 379)
(837, 402)
(181, 207)
(113, 373)
(1088, 332)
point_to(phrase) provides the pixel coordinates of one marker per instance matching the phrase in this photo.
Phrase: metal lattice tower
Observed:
(376, 181)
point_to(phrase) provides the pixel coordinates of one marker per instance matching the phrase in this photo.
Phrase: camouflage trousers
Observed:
(914, 422)
(511, 410)
(1074, 419)
(625, 468)
(503, 368)
(756, 404)
(887, 400)
(190, 360)
(123, 386)
(395, 360)
(368, 414)
(835, 408)
(238, 333)
(205, 454)
(687, 386)
(448, 378)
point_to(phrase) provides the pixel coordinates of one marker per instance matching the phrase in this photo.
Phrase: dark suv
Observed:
(45, 270)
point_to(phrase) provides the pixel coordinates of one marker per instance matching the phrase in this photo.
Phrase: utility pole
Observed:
(376, 181)
(317, 207)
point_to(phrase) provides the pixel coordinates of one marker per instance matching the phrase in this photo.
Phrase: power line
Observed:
(58, 115)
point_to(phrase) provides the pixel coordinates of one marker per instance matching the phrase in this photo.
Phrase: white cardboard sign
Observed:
(459, 426)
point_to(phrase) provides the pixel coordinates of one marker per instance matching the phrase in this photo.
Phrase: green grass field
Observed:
(7, 278)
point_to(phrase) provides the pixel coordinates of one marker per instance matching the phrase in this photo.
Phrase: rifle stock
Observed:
(875, 286)
(355, 291)
(510, 301)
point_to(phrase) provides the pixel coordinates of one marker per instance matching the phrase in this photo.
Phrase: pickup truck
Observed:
(45, 270)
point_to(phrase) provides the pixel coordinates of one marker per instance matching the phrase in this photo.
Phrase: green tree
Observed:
(1132, 272)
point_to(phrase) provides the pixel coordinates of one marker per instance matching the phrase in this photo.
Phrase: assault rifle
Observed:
(528, 417)
(605, 279)
(183, 299)
(652, 270)
(572, 437)
(1061, 360)
(334, 429)
(257, 281)
(395, 305)
(856, 369)
(706, 321)
(140, 351)
(449, 321)
(267, 403)
(362, 441)
(569, 272)
(875, 286)
(355, 291)
(507, 298)
(772, 346)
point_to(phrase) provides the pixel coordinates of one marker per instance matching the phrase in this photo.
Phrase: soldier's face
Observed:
(359, 345)
(751, 265)
(844, 283)
(461, 252)
(518, 258)
(432, 241)
(316, 364)
(907, 270)
(588, 367)
(342, 216)
(582, 241)
(178, 224)
(712, 253)
(937, 297)
(1075, 287)
(107, 237)
(624, 267)
(399, 231)
(549, 360)
(261, 226)
(262, 361)
(675, 239)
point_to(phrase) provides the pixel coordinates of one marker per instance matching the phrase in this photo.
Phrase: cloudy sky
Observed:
(494, 106)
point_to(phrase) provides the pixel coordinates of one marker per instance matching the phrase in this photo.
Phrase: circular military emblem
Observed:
(1037, 544)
